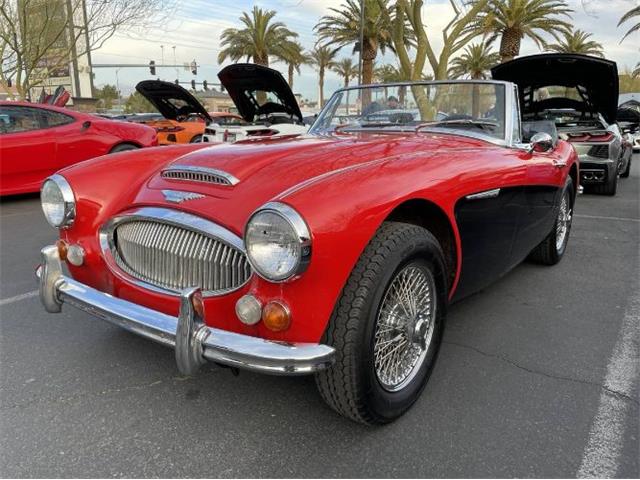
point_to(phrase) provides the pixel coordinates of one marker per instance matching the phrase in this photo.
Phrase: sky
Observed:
(195, 27)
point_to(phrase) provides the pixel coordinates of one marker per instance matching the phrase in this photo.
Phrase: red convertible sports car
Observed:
(334, 253)
(37, 140)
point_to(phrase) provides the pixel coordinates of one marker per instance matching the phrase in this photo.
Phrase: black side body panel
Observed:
(498, 233)
(488, 229)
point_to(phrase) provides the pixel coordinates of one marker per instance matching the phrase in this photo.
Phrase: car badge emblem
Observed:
(177, 196)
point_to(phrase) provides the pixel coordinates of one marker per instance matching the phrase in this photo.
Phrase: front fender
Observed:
(343, 211)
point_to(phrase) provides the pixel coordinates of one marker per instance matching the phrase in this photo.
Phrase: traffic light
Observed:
(205, 85)
(152, 68)
(193, 84)
(194, 67)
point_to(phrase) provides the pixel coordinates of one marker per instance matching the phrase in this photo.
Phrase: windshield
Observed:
(463, 106)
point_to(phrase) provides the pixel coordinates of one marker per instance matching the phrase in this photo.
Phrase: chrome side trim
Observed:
(199, 174)
(193, 341)
(171, 217)
(486, 194)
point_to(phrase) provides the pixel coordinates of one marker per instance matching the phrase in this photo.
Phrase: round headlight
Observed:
(278, 242)
(58, 202)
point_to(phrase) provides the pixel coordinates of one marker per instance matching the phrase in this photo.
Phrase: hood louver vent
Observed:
(199, 174)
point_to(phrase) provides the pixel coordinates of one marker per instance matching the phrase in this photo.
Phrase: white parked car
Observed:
(263, 99)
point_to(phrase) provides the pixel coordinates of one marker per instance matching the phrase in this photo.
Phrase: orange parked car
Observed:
(184, 116)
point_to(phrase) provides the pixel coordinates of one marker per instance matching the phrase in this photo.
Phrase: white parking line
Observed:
(602, 217)
(600, 457)
(17, 298)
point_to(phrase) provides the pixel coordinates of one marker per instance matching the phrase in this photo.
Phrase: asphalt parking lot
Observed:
(538, 376)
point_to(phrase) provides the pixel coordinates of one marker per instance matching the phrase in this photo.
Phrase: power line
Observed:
(166, 40)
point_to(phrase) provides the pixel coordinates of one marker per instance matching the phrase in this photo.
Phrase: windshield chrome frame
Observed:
(510, 102)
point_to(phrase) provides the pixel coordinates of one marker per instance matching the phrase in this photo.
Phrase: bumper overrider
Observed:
(193, 341)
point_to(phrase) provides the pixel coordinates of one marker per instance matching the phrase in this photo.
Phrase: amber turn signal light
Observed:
(198, 304)
(276, 316)
(63, 249)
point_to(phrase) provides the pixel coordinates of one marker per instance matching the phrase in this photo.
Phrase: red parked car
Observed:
(37, 140)
(334, 254)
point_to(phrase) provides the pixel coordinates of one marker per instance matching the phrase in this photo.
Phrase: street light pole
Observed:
(118, 89)
(175, 63)
(361, 41)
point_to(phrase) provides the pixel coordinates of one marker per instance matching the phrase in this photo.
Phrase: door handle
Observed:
(559, 163)
(85, 125)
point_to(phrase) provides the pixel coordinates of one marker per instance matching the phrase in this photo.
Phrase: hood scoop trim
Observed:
(193, 173)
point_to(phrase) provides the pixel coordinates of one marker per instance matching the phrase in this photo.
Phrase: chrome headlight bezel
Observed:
(299, 229)
(68, 201)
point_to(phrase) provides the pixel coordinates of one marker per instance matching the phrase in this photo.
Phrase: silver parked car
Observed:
(576, 98)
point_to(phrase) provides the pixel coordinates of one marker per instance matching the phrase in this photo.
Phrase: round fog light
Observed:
(75, 255)
(248, 310)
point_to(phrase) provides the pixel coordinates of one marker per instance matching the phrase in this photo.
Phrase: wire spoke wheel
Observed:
(404, 327)
(563, 223)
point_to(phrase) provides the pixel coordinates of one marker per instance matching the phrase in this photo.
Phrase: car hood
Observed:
(241, 80)
(595, 78)
(170, 99)
(265, 170)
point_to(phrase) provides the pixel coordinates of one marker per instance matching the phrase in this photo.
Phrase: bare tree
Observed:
(38, 37)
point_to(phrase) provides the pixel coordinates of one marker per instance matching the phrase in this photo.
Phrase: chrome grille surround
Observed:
(166, 250)
(199, 174)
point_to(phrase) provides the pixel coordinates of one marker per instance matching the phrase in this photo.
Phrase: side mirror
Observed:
(541, 142)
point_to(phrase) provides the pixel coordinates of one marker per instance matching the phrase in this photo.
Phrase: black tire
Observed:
(610, 187)
(548, 253)
(196, 139)
(627, 170)
(351, 386)
(123, 147)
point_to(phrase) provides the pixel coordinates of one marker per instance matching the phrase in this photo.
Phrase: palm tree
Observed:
(294, 56)
(476, 60)
(634, 12)
(577, 41)
(388, 74)
(259, 38)
(514, 20)
(342, 27)
(323, 57)
(346, 69)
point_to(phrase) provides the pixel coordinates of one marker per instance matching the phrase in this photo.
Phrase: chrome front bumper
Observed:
(193, 341)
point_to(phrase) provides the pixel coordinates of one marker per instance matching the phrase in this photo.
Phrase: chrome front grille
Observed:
(199, 174)
(173, 257)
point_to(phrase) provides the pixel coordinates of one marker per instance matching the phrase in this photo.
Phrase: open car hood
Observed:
(242, 80)
(596, 80)
(170, 99)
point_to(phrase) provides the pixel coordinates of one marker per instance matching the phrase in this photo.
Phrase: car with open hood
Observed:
(184, 116)
(576, 97)
(263, 99)
(629, 117)
(334, 254)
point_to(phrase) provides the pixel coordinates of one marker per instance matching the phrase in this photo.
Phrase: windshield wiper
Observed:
(355, 126)
(461, 121)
